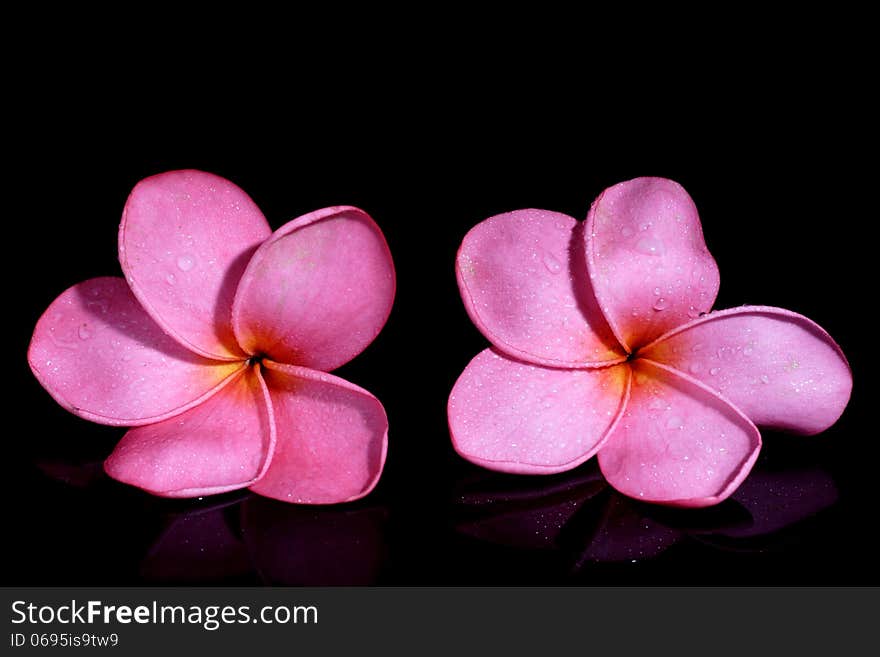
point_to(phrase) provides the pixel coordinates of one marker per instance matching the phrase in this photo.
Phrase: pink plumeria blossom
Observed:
(603, 343)
(216, 346)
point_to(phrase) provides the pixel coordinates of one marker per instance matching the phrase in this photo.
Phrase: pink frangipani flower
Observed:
(603, 343)
(216, 346)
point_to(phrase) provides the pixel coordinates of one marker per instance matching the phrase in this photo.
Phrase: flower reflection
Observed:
(311, 546)
(240, 538)
(520, 513)
(263, 541)
(502, 529)
(77, 473)
(200, 545)
(580, 515)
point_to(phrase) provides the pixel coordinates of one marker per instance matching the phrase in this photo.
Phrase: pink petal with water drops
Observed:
(523, 280)
(220, 445)
(779, 368)
(102, 357)
(678, 442)
(516, 417)
(332, 438)
(649, 264)
(184, 241)
(318, 292)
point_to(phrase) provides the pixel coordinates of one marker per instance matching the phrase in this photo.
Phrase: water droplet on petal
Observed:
(674, 422)
(98, 305)
(714, 371)
(185, 262)
(657, 291)
(747, 351)
(84, 332)
(650, 246)
(170, 279)
(551, 262)
(693, 313)
(764, 378)
(660, 304)
(695, 368)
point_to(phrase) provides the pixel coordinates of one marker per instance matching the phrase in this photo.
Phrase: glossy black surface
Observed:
(783, 215)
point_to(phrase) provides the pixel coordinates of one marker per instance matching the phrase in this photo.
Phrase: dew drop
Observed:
(84, 332)
(185, 262)
(650, 246)
(693, 313)
(170, 279)
(747, 351)
(764, 378)
(660, 304)
(657, 291)
(714, 371)
(695, 368)
(551, 262)
(675, 422)
(656, 404)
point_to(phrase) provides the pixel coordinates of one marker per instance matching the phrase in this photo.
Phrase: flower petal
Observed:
(184, 241)
(678, 443)
(524, 283)
(332, 438)
(318, 292)
(779, 368)
(650, 267)
(103, 358)
(511, 416)
(220, 445)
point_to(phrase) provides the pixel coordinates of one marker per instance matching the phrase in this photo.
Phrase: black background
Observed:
(775, 164)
